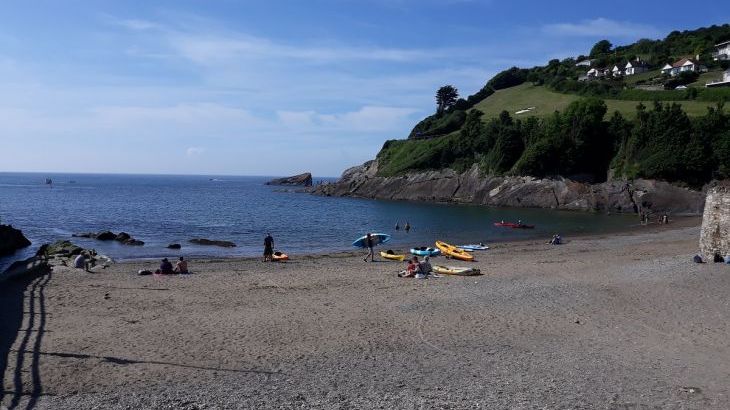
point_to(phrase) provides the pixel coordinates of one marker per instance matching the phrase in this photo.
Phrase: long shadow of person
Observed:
(15, 308)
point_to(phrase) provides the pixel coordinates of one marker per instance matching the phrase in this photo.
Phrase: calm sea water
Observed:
(173, 209)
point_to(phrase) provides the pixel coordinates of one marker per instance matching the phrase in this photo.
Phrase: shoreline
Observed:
(679, 222)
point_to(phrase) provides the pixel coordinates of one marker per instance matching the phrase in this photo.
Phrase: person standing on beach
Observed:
(407, 227)
(268, 248)
(370, 243)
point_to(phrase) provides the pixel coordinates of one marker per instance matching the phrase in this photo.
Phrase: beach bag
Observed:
(717, 258)
(727, 258)
(697, 259)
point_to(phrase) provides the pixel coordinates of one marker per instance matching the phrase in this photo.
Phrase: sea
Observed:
(165, 209)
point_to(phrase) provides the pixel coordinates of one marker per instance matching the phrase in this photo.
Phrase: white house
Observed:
(635, 67)
(683, 65)
(617, 71)
(722, 52)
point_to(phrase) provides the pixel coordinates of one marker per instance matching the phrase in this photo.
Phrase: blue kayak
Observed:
(377, 238)
(474, 247)
(424, 251)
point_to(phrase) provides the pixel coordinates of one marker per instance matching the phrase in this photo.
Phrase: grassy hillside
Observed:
(546, 102)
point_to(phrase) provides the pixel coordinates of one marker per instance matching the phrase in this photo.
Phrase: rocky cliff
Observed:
(11, 240)
(471, 187)
(715, 233)
(304, 179)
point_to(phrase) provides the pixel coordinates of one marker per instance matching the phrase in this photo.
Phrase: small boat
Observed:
(424, 251)
(389, 254)
(455, 270)
(279, 256)
(377, 238)
(451, 251)
(471, 248)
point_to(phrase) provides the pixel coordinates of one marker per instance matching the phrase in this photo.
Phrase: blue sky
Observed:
(270, 87)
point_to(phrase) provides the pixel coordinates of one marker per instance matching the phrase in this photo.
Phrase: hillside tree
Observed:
(446, 97)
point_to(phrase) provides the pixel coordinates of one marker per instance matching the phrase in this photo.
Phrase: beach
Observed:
(609, 321)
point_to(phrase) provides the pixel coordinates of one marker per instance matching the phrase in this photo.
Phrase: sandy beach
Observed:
(620, 321)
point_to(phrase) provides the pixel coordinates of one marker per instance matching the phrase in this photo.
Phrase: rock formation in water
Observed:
(122, 237)
(715, 233)
(304, 179)
(11, 240)
(471, 187)
(210, 242)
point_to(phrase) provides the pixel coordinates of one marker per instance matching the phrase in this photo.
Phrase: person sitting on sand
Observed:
(425, 267)
(80, 262)
(181, 266)
(166, 267)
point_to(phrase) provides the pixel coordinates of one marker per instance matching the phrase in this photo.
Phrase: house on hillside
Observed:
(683, 65)
(722, 51)
(594, 73)
(636, 67)
(617, 71)
(724, 82)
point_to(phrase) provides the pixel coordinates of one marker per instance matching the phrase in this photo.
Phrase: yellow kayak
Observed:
(392, 256)
(453, 270)
(451, 251)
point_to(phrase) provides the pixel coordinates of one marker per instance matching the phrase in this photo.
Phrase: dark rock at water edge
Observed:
(301, 179)
(209, 242)
(174, 246)
(30, 266)
(122, 237)
(11, 240)
(473, 187)
(59, 248)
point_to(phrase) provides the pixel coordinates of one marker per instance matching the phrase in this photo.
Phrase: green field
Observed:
(546, 102)
(633, 79)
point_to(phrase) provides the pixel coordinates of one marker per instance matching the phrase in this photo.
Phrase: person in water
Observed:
(268, 248)
(181, 266)
(370, 244)
(397, 227)
(166, 267)
(407, 227)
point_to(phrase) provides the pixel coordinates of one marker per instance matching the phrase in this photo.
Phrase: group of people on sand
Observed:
(556, 240)
(416, 269)
(645, 217)
(166, 268)
(85, 260)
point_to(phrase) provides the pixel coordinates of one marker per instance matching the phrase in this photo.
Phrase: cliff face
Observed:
(472, 188)
(11, 240)
(304, 179)
(715, 233)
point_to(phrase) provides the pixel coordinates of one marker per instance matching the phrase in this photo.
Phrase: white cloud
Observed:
(601, 27)
(138, 25)
(366, 119)
(194, 151)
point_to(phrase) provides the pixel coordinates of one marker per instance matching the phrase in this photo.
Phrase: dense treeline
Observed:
(581, 142)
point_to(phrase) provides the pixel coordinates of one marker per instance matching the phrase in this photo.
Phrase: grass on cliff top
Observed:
(399, 156)
(546, 102)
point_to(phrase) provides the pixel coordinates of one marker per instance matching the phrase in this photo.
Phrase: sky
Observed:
(223, 87)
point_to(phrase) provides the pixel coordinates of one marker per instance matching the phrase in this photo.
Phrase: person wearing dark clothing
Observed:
(268, 248)
(166, 267)
(407, 227)
(370, 243)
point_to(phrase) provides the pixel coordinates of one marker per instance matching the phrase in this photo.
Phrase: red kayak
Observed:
(514, 225)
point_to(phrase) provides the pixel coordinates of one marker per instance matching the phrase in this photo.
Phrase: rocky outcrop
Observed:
(174, 246)
(11, 240)
(304, 179)
(59, 248)
(472, 187)
(715, 233)
(210, 242)
(122, 237)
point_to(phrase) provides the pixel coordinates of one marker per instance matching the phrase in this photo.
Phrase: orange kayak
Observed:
(279, 256)
(451, 251)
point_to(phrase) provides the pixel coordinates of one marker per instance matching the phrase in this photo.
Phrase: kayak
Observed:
(392, 256)
(514, 225)
(279, 256)
(454, 252)
(424, 251)
(377, 238)
(474, 247)
(458, 271)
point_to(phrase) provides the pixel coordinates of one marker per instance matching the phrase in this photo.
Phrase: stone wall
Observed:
(715, 234)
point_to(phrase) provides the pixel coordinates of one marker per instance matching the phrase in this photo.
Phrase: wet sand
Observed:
(621, 321)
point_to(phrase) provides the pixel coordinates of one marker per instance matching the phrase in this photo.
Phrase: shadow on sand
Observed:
(15, 309)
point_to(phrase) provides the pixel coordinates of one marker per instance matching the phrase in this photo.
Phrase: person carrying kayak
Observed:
(370, 243)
